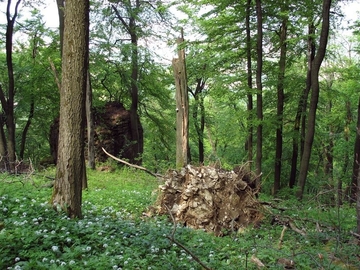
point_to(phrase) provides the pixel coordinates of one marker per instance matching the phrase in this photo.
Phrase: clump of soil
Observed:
(112, 132)
(212, 199)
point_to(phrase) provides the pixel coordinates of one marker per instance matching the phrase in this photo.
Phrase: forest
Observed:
(269, 86)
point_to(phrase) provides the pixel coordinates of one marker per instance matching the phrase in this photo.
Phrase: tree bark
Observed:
(259, 102)
(355, 190)
(315, 89)
(60, 6)
(356, 165)
(137, 144)
(70, 169)
(26, 128)
(182, 107)
(249, 141)
(90, 124)
(8, 104)
(301, 110)
(280, 102)
(198, 95)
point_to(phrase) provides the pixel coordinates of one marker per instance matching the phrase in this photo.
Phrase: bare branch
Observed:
(131, 165)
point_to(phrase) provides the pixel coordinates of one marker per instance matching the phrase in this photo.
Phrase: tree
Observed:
(67, 194)
(259, 100)
(7, 103)
(182, 106)
(356, 169)
(280, 99)
(315, 89)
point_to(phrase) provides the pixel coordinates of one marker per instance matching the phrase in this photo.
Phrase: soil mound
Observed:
(212, 199)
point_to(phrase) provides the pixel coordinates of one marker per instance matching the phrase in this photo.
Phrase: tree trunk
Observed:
(90, 125)
(182, 107)
(356, 165)
(60, 6)
(137, 143)
(259, 102)
(199, 104)
(301, 110)
(2, 139)
(249, 141)
(346, 155)
(315, 87)
(26, 128)
(280, 102)
(70, 169)
(9, 106)
(355, 190)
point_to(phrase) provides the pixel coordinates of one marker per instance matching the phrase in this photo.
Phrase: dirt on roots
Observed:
(212, 199)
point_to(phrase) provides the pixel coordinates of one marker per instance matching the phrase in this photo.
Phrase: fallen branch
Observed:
(282, 236)
(257, 261)
(131, 165)
(355, 234)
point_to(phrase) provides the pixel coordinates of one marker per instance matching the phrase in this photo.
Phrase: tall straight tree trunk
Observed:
(315, 90)
(280, 102)
(60, 8)
(137, 143)
(301, 110)
(26, 128)
(199, 124)
(259, 102)
(8, 104)
(182, 107)
(90, 124)
(70, 169)
(355, 181)
(356, 165)
(134, 92)
(346, 155)
(249, 141)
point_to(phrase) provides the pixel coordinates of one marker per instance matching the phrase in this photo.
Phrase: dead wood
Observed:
(282, 236)
(212, 199)
(257, 261)
(288, 222)
(131, 165)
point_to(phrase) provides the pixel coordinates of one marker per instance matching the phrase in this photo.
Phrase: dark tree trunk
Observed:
(26, 128)
(355, 181)
(259, 102)
(280, 102)
(135, 126)
(346, 155)
(70, 169)
(356, 165)
(198, 95)
(8, 104)
(315, 87)
(60, 6)
(301, 110)
(249, 141)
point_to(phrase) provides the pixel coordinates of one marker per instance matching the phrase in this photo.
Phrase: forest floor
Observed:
(118, 231)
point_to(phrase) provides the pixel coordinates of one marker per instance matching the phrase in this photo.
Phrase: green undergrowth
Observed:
(115, 234)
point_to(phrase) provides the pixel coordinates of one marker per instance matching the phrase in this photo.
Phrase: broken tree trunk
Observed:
(182, 106)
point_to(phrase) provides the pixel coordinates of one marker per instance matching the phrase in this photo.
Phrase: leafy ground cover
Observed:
(115, 234)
